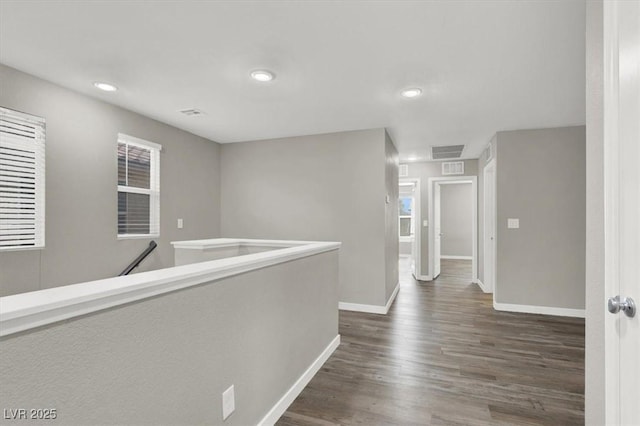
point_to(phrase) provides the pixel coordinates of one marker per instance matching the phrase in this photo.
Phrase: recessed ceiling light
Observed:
(105, 86)
(412, 158)
(411, 93)
(262, 75)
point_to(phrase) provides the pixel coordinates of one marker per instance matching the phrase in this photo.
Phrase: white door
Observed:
(622, 210)
(489, 236)
(437, 230)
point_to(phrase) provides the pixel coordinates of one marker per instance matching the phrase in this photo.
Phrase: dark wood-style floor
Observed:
(443, 356)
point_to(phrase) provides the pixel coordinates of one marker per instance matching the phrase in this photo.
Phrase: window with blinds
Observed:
(138, 187)
(22, 173)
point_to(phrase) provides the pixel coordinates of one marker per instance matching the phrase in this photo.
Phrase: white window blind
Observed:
(138, 187)
(22, 186)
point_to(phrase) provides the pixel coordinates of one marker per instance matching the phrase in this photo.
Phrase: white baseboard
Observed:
(281, 406)
(456, 257)
(392, 298)
(370, 309)
(543, 310)
(481, 285)
(423, 277)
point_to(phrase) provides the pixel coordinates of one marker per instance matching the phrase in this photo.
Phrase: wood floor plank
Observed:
(444, 356)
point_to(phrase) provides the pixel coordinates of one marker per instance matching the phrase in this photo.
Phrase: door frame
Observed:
(611, 185)
(417, 237)
(474, 224)
(487, 287)
(615, 151)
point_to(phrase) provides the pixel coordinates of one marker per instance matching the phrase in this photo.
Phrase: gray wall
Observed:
(541, 181)
(456, 204)
(163, 362)
(81, 187)
(391, 231)
(424, 171)
(328, 187)
(595, 312)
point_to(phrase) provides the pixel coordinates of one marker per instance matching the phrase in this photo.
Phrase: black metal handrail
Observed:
(135, 263)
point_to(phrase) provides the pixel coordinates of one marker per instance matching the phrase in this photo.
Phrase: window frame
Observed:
(39, 198)
(411, 217)
(154, 186)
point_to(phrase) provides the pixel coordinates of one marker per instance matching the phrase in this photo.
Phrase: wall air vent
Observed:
(191, 112)
(404, 170)
(446, 152)
(453, 168)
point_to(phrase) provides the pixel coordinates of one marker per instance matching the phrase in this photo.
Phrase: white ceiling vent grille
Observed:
(404, 170)
(446, 152)
(453, 168)
(191, 112)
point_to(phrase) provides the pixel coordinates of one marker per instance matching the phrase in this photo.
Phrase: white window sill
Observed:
(137, 236)
(3, 249)
(406, 239)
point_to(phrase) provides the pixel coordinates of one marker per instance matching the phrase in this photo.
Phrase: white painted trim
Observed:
(394, 293)
(423, 277)
(25, 311)
(543, 310)
(283, 403)
(404, 256)
(490, 166)
(417, 203)
(482, 286)
(474, 221)
(370, 309)
(611, 187)
(137, 236)
(357, 307)
(456, 257)
(132, 140)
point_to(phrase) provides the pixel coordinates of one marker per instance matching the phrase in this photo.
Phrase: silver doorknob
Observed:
(627, 305)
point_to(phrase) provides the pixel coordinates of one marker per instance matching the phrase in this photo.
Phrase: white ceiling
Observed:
(484, 66)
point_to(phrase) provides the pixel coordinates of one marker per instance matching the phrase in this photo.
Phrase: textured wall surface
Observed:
(81, 188)
(167, 360)
(541, 181)
(322, 188)
(456, 206)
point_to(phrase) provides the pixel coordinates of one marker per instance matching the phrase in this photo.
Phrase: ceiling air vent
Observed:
(446, 152)
(404, 170)
(453, 168)
(191, 112)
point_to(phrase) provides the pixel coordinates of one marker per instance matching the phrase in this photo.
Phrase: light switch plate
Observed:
(180, 223)
(228, 402)
(425, 223)
(513, 223)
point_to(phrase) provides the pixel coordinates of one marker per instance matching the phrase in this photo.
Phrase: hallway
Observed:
(443, 356)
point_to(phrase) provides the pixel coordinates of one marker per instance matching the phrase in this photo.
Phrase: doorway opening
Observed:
(456, 244)
(409, 225)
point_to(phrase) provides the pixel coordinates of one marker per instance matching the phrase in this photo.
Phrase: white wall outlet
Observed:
(425, 223)
(180, 224)
(513, 223)
(228, 402)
